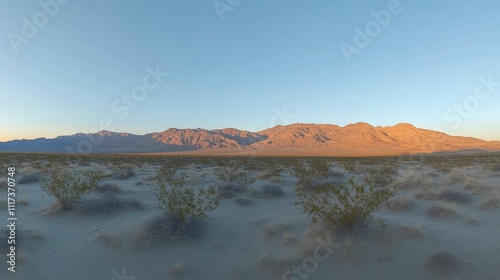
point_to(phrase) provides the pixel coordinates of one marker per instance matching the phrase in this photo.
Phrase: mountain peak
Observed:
(320, 139)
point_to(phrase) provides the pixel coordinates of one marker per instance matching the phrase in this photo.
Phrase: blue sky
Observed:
(434, 64)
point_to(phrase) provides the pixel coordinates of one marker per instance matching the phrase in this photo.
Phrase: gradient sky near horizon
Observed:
(266, 63)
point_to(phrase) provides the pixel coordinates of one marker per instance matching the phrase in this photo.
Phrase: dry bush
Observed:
(475, 186)
(68, 187)
(439, 211)
(168, 227)
(490, 203)
(307, 172)
(412, 180)
(427, 194)
(122, 171)
(442, 263)
(344, 206)
(456, 175)
(472, 221)
(233, 180)
(454, 196)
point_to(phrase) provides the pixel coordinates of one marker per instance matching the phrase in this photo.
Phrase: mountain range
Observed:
(295, 139)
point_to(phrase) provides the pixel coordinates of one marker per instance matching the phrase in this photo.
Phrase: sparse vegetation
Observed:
(490, 203)
(344, 206)
(182, 208)
(122, 171)
(439, 211)
(308, 171)
(68, 187)
(233, 180)
(454, 196)
(183, 202)
(442, 263)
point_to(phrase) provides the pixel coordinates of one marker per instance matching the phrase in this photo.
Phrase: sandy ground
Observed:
(270, 238)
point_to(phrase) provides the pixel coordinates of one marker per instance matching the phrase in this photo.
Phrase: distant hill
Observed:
(294, 139)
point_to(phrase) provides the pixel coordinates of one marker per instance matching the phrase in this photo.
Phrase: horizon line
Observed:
(212, 129)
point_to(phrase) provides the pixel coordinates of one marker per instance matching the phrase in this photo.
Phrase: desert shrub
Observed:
(427, 194)
(472, 221)
(454, 196)
(272, 190)
(124, 171)
(442, 263)
(381, 175)
(108, 203)
(172, 227)
(438, 211)
(413, 180)
(490, 203)
(233, 180)
(456, 175)
(273, 173)
(68, 187)
(176, 200)
(344, 206)
(307, 172)
(107, 188)
(475, 186)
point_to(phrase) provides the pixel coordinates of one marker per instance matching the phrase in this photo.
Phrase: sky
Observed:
(69, 66)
